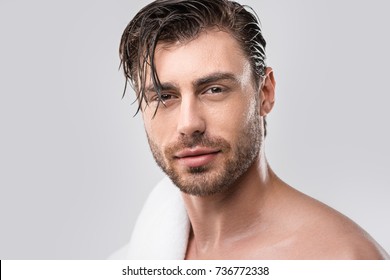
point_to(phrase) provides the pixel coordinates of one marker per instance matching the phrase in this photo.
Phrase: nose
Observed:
(191, 120)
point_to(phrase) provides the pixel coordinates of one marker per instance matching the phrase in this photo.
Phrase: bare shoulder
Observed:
(321, 232)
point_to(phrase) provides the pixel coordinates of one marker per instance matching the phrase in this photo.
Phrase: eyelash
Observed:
(164, 97)
(219, 90)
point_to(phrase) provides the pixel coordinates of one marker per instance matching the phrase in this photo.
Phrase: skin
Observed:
(256, 216)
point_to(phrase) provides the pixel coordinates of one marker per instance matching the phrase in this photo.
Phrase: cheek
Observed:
(149, 127)
(158, 130)
(252, 111)
(231, 119)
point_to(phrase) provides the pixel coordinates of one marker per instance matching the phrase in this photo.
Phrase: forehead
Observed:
(212, 51)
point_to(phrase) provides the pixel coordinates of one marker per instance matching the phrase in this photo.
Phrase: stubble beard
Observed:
(209, 180)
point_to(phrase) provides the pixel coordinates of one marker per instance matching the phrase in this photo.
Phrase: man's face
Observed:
(208, 132)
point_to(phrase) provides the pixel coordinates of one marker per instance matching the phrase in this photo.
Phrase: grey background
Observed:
(75, 166)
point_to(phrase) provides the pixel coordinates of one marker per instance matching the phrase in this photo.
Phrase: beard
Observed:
(211, 179)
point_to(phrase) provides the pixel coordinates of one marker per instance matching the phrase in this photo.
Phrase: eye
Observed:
(215, 90)
(165, 97)
(160, 98)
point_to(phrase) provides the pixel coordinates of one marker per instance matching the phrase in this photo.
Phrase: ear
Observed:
(267, 92)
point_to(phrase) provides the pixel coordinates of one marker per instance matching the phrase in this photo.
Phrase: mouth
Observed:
(196, 157)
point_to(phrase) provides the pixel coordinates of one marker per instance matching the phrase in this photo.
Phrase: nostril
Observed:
(192, 134)
(197, 133)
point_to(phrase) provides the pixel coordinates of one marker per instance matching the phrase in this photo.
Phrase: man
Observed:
(198, 69)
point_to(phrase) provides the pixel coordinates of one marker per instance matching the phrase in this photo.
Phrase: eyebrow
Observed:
(215, 77)
(164, 87)
(211, 78)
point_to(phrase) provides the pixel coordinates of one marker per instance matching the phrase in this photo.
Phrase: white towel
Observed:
(162, 229)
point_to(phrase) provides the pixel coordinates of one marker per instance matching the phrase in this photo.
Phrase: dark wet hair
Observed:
(170, 21)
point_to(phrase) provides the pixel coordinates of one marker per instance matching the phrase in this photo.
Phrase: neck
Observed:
(219, 220)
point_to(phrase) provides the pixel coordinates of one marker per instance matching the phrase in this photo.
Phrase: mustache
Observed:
(200, 140)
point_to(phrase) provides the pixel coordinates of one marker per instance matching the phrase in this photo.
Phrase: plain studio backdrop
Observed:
(75, 164)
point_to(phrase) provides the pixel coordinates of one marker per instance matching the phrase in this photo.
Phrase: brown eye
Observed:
(214, 90)
(164, 97)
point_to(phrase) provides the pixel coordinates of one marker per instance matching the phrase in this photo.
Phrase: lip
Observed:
(196, 157)
(193, 152)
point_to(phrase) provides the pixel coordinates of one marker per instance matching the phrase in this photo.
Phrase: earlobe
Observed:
(267, 92)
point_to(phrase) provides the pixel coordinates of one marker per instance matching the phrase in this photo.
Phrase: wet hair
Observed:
(171, 21)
